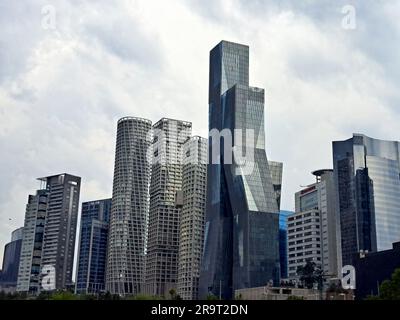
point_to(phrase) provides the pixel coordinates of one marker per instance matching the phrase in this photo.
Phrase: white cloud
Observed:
(62, 91)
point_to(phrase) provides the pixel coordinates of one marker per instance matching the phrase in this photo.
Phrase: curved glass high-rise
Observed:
(242, 223)
(367, 179)
(130, 208)
(11, 259)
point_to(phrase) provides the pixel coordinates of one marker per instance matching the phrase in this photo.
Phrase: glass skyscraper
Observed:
(29, 272)
(367, 179)
(194, 189)
(60, 229)
(49, 233)
(276, 169)
(165, 212)
(283, 242)
(12, 253)
(242, 223)
(130, 208)
(93, 246)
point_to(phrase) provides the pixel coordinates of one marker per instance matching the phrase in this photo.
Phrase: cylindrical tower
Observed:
(130, 207)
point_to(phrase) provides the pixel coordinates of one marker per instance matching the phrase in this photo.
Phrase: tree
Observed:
(143, 297)
(105, 296)
(174, 295)
(310, 274)
(63, 295)
(212, 297)
(13, 296)
(44, 295)
(389, 289)
(89, 297)
(295, 298)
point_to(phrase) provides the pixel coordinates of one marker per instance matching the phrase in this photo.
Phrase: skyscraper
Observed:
(49, 233)
(194, 188)
(92, 254)
(283, 242)
(17, 234)
(276, 169)
(313, 228)
(242, 224)
(29, 275)
(60, 228)
(11, 258)
(367, 180)
(165, 207)
(130, 207)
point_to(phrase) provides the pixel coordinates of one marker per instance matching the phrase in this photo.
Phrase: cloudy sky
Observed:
(66, 78)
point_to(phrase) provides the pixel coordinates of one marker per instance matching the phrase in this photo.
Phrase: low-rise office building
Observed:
(373, 268)
(276, 293)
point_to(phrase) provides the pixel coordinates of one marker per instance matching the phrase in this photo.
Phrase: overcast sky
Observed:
(65, 82)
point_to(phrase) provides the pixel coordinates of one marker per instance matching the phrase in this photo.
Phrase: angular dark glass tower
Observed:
(241, 248)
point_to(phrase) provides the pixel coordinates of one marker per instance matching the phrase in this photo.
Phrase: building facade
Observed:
(11, 258)
(373, 268)
(165, 207)
(367, 180)
(17, 234)
(242, 223)
(60, 228)
(313, 228)
(130, 208)
(32, 243)
(48, 243)
(92, 254)
(283, 242)
(277, 293)
(276, 170)
(192, 221)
